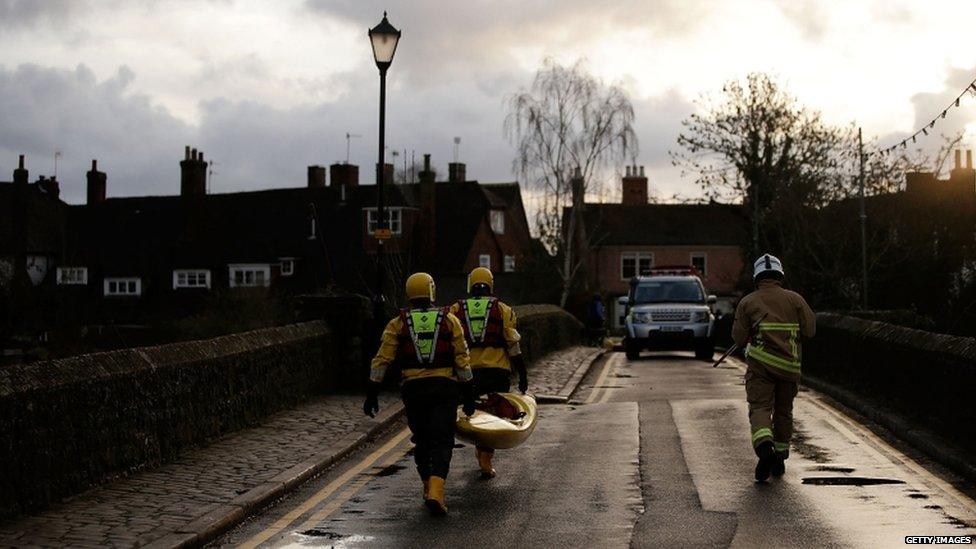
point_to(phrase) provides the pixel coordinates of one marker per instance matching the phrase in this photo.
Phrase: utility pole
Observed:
(864, 220)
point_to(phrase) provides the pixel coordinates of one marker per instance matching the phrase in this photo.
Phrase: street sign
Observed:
(383, 234)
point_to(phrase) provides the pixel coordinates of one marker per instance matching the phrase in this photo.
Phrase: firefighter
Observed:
(491, 331)
(427, 342)
(769, 323)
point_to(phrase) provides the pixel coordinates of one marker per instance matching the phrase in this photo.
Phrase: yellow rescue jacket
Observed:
(496, 354)
(394, 344)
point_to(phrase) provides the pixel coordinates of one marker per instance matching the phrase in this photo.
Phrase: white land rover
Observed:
(669, 310)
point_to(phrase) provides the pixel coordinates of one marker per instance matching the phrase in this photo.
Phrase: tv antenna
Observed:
(457, 149)
(210, 174)
(349, 137)
(57, 156)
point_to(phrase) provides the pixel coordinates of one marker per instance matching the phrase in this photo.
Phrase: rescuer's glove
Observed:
(372, 404)
(467, 398)
(519, 364)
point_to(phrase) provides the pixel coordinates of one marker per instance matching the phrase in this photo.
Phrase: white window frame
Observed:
(122, 286)
(394, 220)
(263, 268)
(497, 221)
(704, 256)
(509, 263)
(191, 278)
(637, 257)
(484, 260)
(287, 266)
(67, 276)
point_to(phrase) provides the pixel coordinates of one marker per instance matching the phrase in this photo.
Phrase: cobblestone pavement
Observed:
(148, 505)
(549, 375)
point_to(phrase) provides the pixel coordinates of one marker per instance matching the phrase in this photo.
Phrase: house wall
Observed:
(515, 241)
(723, 266)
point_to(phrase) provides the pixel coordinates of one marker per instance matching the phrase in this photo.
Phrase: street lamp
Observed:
(384, 38)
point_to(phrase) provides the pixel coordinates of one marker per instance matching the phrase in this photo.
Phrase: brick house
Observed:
(121, 260)
(629, 238)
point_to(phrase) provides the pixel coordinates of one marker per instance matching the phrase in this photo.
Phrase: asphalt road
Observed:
(653, 452)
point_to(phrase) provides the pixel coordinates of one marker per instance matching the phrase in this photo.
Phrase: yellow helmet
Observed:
(481, 275)
(420, 285)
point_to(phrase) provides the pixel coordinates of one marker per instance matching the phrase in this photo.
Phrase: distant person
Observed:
(491, 331)
(769, 323)
(598, 320)
(427, 342)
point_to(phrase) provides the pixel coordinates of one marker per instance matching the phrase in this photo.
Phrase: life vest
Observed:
(481, 318)
(425, 339)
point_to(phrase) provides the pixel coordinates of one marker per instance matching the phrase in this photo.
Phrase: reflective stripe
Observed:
(424, 327)
(756, 352)
(778, 326)
(476, 313)
(781, 446)
(760, 433)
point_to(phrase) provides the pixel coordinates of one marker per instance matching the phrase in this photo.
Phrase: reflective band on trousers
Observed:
(781, 446)
(760, 433)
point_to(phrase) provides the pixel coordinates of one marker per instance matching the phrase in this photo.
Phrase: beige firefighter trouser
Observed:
(770, 407)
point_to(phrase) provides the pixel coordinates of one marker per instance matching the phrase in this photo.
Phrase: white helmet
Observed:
(768, 264)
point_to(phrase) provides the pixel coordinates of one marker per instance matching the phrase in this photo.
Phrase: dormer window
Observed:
(498, 221)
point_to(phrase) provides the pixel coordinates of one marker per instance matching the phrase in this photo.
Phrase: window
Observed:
(191, 278)
(509, 263)
(123, 286)
(484, 260)
(634, 264)
(287, 266)
(699, 261)
(249, 276)
(498, 221)
(72, 275)
(393, 220)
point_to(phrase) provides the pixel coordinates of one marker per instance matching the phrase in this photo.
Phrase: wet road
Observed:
(650, 452)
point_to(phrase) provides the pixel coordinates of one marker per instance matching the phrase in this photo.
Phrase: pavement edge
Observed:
(224, 517)
(573, 382)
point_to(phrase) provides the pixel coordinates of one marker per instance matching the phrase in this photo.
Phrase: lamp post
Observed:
(384, 38)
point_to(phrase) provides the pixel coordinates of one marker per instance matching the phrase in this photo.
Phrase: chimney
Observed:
(456, 172)
(316, 177)
(344, 175)
(634, 189)
(969, 159)
(193, 173)
(428, 215)
(958, 159)
(50, 186)
(387, 173)
(20, 173)
(96, 184)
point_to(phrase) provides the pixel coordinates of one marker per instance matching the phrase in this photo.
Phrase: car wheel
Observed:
(705, 350)
(631, 349)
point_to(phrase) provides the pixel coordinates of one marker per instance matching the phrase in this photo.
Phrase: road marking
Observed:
(601, 380)
(317, 498)
(348, 493)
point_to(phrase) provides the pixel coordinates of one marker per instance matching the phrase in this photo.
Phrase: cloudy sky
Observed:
(266, 88)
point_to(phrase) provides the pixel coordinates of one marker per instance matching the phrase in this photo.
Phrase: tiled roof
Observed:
(666, 224)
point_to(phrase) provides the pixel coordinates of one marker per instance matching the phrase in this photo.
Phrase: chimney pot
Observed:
(20, 164)
(642, 171)
(186, 153)
(20, 173)
(969, 159)
(958, 159)
(96, 184)
(193, 175)
(426, 162)
(94, 164)
(200, 157)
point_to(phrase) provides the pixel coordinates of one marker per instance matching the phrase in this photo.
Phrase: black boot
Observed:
(767, 456)
(779, 466)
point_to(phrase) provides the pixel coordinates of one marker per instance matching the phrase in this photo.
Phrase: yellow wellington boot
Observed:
(435, 496)
(426, 489)
(484, 461)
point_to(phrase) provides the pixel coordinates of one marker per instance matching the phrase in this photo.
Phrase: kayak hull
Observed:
(490, 431)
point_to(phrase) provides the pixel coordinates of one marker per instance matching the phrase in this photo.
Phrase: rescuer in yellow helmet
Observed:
(491, 330)
(427, 342)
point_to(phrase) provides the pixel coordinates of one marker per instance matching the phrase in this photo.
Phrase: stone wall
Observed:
(925, 378)
(68, 424)
(546, 328)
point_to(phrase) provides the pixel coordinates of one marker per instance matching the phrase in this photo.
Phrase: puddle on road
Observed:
(390, 470)
(832, 469)
(918, 496)
(850, 481)
(608, 387)
(622, 375)
(319, 533)
(801, 443)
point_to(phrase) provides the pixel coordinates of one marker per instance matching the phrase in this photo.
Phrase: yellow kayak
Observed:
(490, 431)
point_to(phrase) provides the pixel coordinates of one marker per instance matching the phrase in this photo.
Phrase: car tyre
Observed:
(631, 349)
(705, 349)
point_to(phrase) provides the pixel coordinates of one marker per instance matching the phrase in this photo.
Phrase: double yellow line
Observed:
(600, 393)
(323, 494)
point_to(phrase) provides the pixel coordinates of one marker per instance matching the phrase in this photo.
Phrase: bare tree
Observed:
(566, 128)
